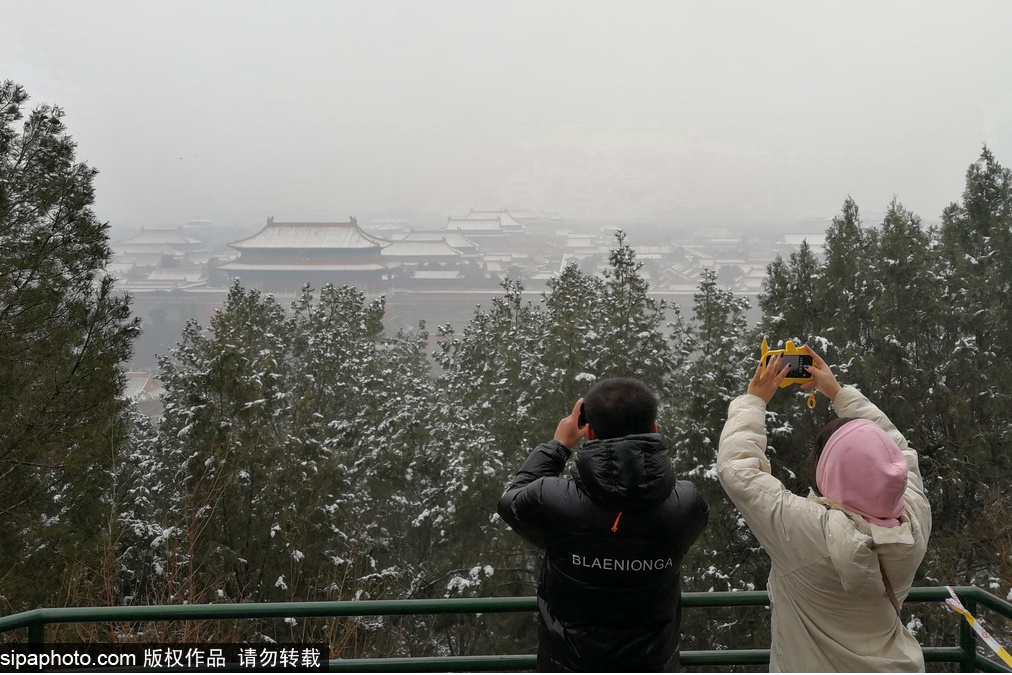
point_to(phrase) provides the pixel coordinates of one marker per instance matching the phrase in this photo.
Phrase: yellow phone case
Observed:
(788, 350)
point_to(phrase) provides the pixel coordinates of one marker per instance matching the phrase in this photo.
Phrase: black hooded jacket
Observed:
(614, 534)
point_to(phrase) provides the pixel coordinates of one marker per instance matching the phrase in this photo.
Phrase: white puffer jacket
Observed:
(830, 608)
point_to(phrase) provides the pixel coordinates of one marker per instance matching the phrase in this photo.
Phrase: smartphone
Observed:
(797, 362)
(582, 421)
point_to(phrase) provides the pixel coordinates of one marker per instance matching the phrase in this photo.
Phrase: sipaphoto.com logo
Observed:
(204, 657)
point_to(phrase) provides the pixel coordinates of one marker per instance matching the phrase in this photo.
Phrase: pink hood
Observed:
(863, 470)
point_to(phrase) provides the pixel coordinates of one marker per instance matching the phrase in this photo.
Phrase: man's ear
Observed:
(590, 433)
(655, 428)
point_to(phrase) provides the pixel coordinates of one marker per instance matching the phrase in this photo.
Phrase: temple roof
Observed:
(310, 236)
(454, 238)
(441, 275)
(145, 258)
(506, 220)
(236, 266)
(424, 235)
(458, 241)
(485, 223)
(420, 249)
(474, 224)
(188, 274)
(170, 235)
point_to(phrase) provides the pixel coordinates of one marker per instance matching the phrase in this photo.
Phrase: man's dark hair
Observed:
(620, 406)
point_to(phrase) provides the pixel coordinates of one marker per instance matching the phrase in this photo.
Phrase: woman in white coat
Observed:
(843, 560)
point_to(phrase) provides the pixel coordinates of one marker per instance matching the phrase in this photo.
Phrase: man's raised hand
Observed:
(569, 432)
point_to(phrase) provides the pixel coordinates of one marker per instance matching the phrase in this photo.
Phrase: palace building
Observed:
(283, 257)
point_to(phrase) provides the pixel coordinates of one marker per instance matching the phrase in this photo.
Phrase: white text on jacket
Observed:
(622, 565)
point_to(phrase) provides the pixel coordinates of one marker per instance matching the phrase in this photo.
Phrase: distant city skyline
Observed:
(682, 227)
(436, 276)
(737, 113)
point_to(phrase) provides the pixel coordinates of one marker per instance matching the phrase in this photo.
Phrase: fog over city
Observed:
(730, 113)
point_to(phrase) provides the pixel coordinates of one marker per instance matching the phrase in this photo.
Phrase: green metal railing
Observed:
(965, 653)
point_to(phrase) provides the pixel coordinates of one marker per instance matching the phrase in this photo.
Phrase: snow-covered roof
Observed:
(455, 239)
(188, 274)
(676, 275)
(474, 224)
(420, 249)
(506, 221)
(436, 274)
(579, 240)
(141, 386)
(696, 252)
(424, 235)
(237, 266)
(653, 252)
(460, 242)
(310, 236)
(524, 214)
(170, 235)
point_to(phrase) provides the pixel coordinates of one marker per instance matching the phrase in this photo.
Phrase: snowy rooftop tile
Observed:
(237, 266)
(436, 274)
(172, 235)
(189, 274)
(474, 224)
(310, 236)
(420, 249)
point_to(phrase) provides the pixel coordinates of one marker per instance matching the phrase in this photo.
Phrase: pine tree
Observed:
(844, 293)
(491, 387)
(826, 303)
(573, 303)
(64, 333)
(971, 426)
(225, 430)
(787, 298)
(905, 348)
(719, 356)
(630, 323)
(298, 446)
(145, 492)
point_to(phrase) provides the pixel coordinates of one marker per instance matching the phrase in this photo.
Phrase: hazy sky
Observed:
(760, 111)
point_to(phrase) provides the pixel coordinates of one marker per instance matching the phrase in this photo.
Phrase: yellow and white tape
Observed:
(956, 606)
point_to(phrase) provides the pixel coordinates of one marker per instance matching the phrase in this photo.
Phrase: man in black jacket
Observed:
(614, 533)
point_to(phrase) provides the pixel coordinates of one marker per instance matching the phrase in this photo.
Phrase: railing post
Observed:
(37, 633)
(967, 638)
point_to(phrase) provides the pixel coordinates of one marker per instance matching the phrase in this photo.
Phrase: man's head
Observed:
(620, 406)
